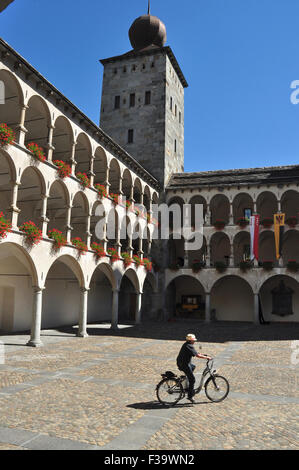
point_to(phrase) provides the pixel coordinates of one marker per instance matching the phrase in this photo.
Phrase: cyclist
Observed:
(184, 362)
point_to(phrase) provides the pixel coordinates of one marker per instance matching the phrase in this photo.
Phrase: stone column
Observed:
(21, 130)
(91, 173)
(35, 340)
(106, 183)
(44, 218)
(73, 162)
(13, 207)
(138, 308)
(114, 313)
(231, 213)
(50, 142)
(208, 308)
(231, 256)
(69, 228)
(256, 319)
(82, 332)
(208, 255)
(88, 233)
(208, 215)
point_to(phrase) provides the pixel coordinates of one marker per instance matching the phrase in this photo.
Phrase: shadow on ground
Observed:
(219, 332)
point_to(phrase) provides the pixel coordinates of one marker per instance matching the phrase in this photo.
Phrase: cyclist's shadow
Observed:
(155, 405)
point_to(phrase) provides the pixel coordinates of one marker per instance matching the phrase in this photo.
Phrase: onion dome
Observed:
(147, 30)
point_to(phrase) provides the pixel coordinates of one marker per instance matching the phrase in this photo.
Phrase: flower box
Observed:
(292, 222)
(219, 224)
(114, 197)
(37, 151)
(101, 190)
(147, 264)
(293, 266)
(127, 259)
(99, 250)
(112, 252)
(80, 245)
(5, 226)
(242, 222)
(220, 266)
(137, 260)
(84, 180)
(64, 170)
(267, 223)
(267, 265)
(58, 238)
(32, 233)
(7, 135)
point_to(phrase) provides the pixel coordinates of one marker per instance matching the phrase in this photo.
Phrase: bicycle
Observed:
(171, 389)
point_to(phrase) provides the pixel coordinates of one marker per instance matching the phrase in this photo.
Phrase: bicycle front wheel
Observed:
(169, 391)
(216, 388)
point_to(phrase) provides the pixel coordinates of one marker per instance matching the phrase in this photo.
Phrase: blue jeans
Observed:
(188, 371)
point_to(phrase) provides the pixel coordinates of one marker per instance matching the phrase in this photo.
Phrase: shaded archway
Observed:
(100, 294)
(220, 248)
(79, 216)
(241, 247)
(269, 301)
(290, 204)
(290, 246)
(266, 204)
(267, 247)
(37, 122)
(61, 297)
(129, 289)
(30, 196)
(63, 139)
(57, 204)
(100, 166)
(242, 206)
(185, 298)
(232, 299)
(7, 177)
(220, 208)
(82, 153)
(10, 111)
(17, 277)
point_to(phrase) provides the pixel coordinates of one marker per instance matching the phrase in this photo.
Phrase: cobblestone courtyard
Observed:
(99, 392)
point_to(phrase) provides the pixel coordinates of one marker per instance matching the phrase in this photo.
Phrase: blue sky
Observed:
(238, 56)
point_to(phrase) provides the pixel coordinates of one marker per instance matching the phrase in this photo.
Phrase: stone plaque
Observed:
(282, 300)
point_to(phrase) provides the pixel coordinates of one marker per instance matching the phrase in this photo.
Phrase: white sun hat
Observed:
(191, 337)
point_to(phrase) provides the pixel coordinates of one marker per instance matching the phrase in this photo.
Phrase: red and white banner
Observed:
(254, 236)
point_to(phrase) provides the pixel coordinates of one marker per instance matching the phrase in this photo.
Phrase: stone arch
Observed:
(183, 291)
(267, 205)
(10, 111)
(100, 166)
(290, 246)
(79, 215)
(127, 184)
(37, 122)
(232, 299)
(241, 246)
(220, 248)
(137, 190)
(83, 152)
(200, 200)
(267, 246)
(7, 178)
(63, 140)
(114, 176)
(100, 295)
(97, 222)
(30, 193)
(61, 297)
(241, 203)
(266, 299)
(220, 208)
(57, 206)
(129, 289)
(290, 204)
(18, 276)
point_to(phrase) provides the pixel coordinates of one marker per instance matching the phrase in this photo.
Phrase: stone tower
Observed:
(142, 105)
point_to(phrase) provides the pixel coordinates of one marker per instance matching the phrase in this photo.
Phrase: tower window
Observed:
(171, 103)
(180, 117)
(175, 145)
(130, 136)
(117, 102)
(175, 110)
(132, 100)
(147, 97)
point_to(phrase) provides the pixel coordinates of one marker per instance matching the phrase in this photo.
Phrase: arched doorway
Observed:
(61, 297)
(17, 277)
(185, 298)
(100, 294)
(129, 290)
(287, 289)
(232, 299)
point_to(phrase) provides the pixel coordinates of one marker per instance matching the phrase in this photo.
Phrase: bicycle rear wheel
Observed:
(216, 388)
(169, 391)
